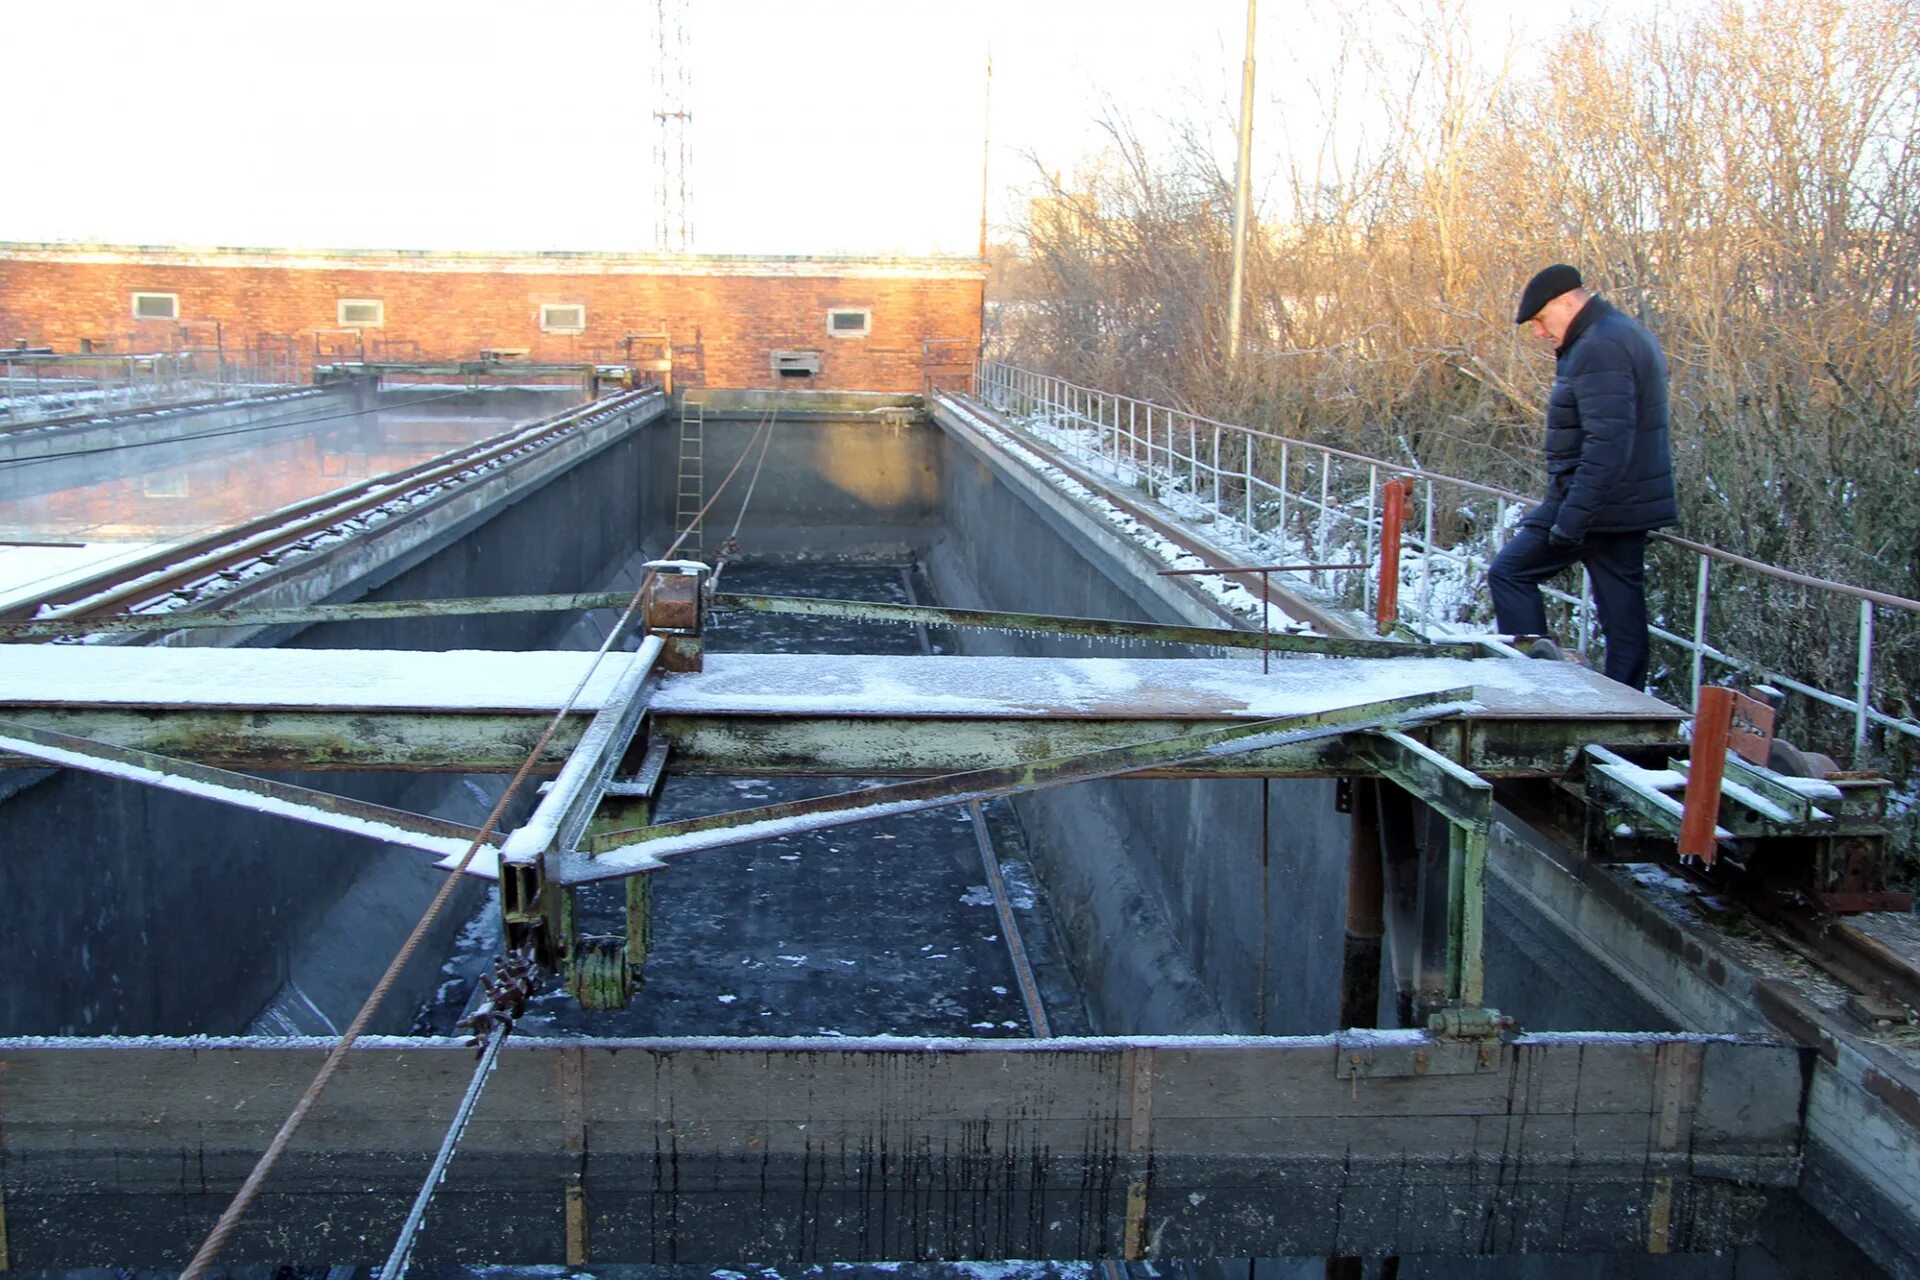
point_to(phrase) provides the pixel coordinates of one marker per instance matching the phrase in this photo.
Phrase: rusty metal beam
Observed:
(1466, 801)
(411, 741)
(305, 615)
(874, 746)
(279, 799)
(1457, 792)
(796, 606)
(620, 853)
(1094, 628)
(528, 859)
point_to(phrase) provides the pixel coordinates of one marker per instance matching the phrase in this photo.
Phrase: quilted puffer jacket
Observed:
(1609, 465)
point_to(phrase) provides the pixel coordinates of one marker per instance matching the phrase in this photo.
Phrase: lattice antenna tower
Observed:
(672, 132)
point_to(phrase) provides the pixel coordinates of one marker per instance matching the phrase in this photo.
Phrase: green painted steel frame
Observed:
(624, 852)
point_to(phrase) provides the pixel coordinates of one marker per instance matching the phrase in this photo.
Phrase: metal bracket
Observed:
(1460, 1022)
(671, 607)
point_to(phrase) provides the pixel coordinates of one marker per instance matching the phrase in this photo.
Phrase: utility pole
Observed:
(1241, 200)
(986, 148)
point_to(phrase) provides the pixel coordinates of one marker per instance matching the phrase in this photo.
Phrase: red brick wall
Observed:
(725, 315)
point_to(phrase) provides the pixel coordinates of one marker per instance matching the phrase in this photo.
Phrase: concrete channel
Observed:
(1211, 909)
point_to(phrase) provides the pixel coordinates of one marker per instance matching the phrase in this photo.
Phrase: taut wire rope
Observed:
(243, 1199)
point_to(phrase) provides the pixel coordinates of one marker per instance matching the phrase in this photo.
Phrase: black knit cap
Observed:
(1544, 288)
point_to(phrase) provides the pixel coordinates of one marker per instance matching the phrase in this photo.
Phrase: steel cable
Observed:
(731, 546)
(243, 1199)
(402, 1253)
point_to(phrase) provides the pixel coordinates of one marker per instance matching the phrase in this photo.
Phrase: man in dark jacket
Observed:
(1609, 470)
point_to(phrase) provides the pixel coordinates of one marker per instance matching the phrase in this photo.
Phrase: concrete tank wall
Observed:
(140, 912)
(828, 487)
(1177, 918)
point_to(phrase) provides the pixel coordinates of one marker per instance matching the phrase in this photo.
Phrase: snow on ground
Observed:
(27, 573)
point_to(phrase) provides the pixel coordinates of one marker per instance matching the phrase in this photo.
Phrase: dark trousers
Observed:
(1617, 563)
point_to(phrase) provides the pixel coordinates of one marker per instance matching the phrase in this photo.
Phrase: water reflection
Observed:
(217, 476)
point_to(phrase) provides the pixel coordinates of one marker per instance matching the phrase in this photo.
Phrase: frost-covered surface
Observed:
(797, 684)
(29, 573)
(1231, 595)
(1441, 593)
(1409, 1039)
(373, 679)
(273, 806)
(1133, 688)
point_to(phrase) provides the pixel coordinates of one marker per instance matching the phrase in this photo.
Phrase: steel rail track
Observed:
(180, 564)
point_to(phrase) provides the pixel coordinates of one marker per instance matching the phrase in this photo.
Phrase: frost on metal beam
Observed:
(277, 799)
(1456, 792)
(642, 848)
(307, 615)
(1095, 628)
(365, 739)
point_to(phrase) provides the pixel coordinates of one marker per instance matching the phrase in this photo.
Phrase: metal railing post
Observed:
(1426, 563)
(1246, 488)
(1286, 478)
(1218, 502)
(1326, 510)
(1863, 684)
(1700, 598)
(1373, 542)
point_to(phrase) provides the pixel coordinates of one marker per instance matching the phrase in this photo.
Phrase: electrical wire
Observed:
(243, 1199)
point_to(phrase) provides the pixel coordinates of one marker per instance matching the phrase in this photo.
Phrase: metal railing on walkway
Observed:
(1299, 500)
(38, 386)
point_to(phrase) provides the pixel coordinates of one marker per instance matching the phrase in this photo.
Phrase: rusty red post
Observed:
(1393, 518)
(1706, 767)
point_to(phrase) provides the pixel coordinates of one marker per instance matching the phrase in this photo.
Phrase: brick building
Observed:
(877, 324)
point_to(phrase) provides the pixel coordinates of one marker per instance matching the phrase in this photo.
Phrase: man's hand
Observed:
(1557, 539)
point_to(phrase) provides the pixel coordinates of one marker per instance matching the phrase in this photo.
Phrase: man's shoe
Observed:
(1545, 647)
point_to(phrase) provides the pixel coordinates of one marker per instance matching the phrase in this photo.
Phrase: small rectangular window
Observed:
(850, 322)
(362, 313)
(567, 318)
(156, 306)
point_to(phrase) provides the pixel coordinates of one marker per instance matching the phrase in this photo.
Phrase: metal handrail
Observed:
(1206, 474)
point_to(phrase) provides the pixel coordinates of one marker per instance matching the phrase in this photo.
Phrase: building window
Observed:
(563, 318)
(362, 313)
(156, 306)
(850, 322)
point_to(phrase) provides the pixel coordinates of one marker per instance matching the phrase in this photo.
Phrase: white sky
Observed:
(819, 126)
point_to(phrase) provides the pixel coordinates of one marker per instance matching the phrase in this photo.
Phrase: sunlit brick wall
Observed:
(725, 316)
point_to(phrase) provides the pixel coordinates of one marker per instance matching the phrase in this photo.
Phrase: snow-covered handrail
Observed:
(1269, 494)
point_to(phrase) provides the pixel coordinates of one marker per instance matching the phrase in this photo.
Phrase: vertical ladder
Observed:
(690, 490)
